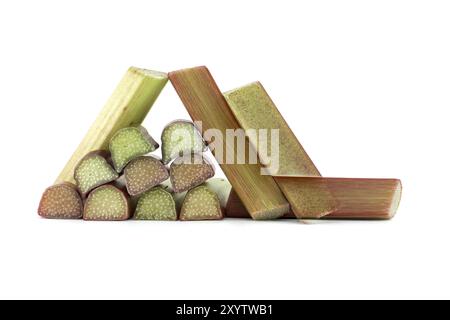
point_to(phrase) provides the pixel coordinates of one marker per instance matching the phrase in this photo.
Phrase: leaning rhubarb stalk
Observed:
(94, 170)
(254, 109)
(144, 173)
(156, 204)
(189, 172)
(201, 203)
(179, 138)
(107, 203)
(204, 102)
(128, 106)
(128, 144)
(61, 201)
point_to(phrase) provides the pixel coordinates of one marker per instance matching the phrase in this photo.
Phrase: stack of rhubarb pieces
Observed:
(115, 174)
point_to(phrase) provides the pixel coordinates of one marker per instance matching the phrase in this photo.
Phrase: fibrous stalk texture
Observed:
(255, 110)
(204, 102)
(352, 198)
(128, 106)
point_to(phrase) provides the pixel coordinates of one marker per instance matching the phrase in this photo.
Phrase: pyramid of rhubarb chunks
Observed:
(115, 175)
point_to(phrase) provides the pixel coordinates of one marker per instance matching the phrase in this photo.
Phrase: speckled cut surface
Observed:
(180, 137)
(156, 204)
(128, 144)
(106, 203)
(93, 171)
(254, 109)
(61, 201)
(144, 173)
(185, 175)
(201, 204)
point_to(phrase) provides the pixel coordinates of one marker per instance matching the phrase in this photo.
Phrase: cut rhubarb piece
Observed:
(353, 198)
(94, 171)
(127, 107)
(204, 102)
(128, 144)
(144, 173)
(179, 138)
(156, 204)
(61, 201)
(189, 172)
(201, 203)
(276, 144)
(107, 203)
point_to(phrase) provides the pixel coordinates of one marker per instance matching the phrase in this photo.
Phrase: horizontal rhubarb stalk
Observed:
(204, 102)
(355, 198)
(128, 106)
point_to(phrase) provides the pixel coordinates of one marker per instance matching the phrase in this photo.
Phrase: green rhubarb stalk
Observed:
(255, 110)
(128, 106)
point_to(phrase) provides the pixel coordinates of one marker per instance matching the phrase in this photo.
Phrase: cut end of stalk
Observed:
(107, 203)
(179, 138)
(61, 201)
(149, 73)
(396, 197)
(156, 204)
(144, 173)
(130, 143)
(201, 204)
(189, 172)
(93, 171)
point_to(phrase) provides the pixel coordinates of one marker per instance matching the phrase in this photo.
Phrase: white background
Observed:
(364, 84)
